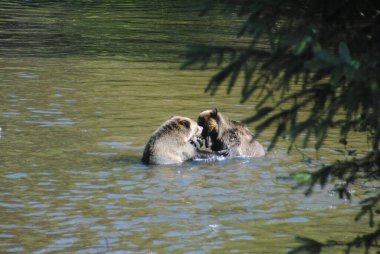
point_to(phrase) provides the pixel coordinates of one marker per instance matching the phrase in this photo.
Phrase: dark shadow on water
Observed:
(99, 28)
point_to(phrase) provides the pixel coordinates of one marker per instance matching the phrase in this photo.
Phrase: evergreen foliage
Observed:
(330, 50)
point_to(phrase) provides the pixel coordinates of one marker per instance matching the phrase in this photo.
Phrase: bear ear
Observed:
(214, 112)
(185, 123)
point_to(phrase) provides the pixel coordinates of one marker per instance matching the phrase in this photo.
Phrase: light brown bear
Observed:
(175, 141)
(229, 136)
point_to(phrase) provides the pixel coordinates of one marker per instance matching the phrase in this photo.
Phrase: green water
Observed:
(83, 86)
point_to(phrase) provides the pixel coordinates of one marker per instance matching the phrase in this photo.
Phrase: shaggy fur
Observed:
(173, 142)
(222, 134)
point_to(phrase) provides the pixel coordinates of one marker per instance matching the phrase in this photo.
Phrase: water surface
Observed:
(83, 86)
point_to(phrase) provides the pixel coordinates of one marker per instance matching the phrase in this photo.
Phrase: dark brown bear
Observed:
(229, 136)
(175, 141)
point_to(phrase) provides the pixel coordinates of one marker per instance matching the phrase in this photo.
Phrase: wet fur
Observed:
(174, 142)
(222, 134)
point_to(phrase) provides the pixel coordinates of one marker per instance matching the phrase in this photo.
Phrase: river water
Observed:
(83, 86)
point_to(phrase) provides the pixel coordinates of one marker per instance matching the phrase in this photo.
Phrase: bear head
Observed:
(186, 126)
(210, 121)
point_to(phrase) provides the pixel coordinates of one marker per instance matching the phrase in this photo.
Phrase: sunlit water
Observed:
(83, 86)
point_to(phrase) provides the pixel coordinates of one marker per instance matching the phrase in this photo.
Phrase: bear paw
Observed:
(197, 141)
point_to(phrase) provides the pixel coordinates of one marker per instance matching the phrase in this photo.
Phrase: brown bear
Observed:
(175, 141)
(229, 136)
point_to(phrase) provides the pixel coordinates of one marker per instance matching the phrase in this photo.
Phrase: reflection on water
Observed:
(84, 84)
